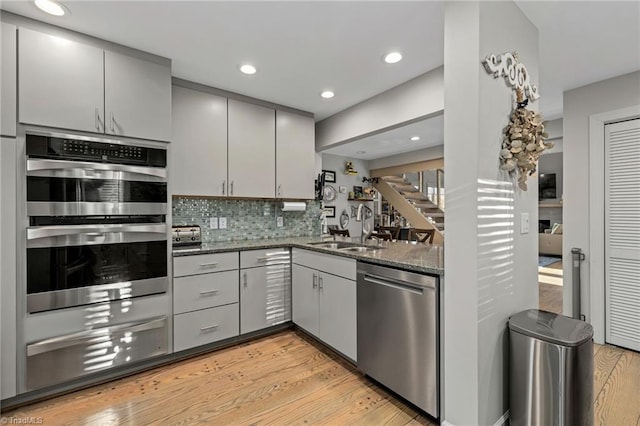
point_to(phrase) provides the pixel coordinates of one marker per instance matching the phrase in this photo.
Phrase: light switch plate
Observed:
(279, 221)
(524, 223)
(213, 222)
(222, 223)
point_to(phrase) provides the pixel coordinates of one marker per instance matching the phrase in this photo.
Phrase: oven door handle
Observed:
(56, 236)
(82, 337)
(87, 170)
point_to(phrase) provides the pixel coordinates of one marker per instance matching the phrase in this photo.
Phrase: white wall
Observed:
(579, 104)
(336, 163)
(408, 157)
(416, 99)
(491, 269)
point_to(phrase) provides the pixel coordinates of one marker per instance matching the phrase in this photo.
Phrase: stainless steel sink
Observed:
(333, 244)
(361, 249)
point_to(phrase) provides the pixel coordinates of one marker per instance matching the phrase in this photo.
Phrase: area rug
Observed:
(547, 260)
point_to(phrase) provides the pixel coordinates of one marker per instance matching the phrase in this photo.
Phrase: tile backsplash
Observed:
(246, 219)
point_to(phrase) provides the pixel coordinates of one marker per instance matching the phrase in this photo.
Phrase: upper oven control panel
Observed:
(186, 235)
(97, 152)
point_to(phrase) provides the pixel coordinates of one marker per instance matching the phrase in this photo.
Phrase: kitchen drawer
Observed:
(336, 265)
(264, 257)
(204, 291)
(206, 326)
(204, 263)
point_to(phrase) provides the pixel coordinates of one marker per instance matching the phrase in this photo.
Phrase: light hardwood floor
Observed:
(550, 287)
(284, 379)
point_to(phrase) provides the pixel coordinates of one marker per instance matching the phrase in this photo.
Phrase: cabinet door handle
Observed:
(209, 265)
(112, 126)
(231, 187)
(208, 292)
(97, 119)
(279, 190)
(208, 328)
(315, 281)
(245, 279)
(224, 184)
(320, 285)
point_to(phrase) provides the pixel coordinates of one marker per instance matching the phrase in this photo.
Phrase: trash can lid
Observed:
(550, 327)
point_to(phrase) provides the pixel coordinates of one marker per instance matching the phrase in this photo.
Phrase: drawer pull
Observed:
(208, 328)
(208, 292)
(209, 265)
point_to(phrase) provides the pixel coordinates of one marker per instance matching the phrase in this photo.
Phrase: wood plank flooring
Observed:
(281, 379)
(288, 379)
(550, 287)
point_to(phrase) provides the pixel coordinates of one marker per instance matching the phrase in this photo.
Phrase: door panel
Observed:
(137, 97)
(295, 156)
(622, 233)
(60, 82)
(305, 299)
(252, 156)
(338, 313)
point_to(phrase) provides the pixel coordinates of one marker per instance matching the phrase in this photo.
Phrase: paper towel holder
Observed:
(293, 206)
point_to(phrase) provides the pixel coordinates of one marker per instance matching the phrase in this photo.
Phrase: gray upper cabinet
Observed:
(61, 82)
(252, 150)
(71, 85)
(8, 83)
(137, 97)
(295, 155)
(200, 143)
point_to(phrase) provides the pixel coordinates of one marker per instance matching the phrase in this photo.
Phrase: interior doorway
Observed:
(550, 282)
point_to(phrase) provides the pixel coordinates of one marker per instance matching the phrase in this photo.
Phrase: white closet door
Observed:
(622, 233)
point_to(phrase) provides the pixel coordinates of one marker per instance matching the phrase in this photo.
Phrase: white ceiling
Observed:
(302, 48)
(396, 141)
(299, 48)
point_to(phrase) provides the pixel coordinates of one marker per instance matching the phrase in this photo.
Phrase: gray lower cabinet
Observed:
(265, 288)
(8, 82)
(324, 304)
(71, 85)
(205, 303)
(199, 151)
(205, 326)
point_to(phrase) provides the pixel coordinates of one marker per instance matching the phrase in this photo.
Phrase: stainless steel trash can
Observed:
(551, 370)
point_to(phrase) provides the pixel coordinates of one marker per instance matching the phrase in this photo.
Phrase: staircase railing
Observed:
(407, 210)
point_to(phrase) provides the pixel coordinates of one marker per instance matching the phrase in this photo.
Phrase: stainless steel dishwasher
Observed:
(398, 332)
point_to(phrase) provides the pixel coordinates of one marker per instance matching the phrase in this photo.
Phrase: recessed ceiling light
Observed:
(415, 138)
(248, 69)
(361, 152)
(393, 57)
(51, 7)
(327, 94)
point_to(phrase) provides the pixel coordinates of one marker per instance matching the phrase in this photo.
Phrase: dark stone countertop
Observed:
(418, 257)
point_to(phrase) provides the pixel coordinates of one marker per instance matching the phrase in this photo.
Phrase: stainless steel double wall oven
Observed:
(97, 229)
(96, 242)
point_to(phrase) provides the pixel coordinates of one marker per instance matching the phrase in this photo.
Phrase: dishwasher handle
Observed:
(397, 284)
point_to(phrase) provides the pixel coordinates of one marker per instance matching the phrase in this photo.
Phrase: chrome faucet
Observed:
(362, 215)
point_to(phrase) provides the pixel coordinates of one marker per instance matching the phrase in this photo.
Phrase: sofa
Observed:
(550, 242)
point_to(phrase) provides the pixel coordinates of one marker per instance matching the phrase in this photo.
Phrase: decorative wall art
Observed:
(524, 137)
(329, 211)
(329, 176)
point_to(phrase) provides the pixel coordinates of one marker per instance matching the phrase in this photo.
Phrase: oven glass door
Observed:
(94, 190)
(76, 265)
(66, 188)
